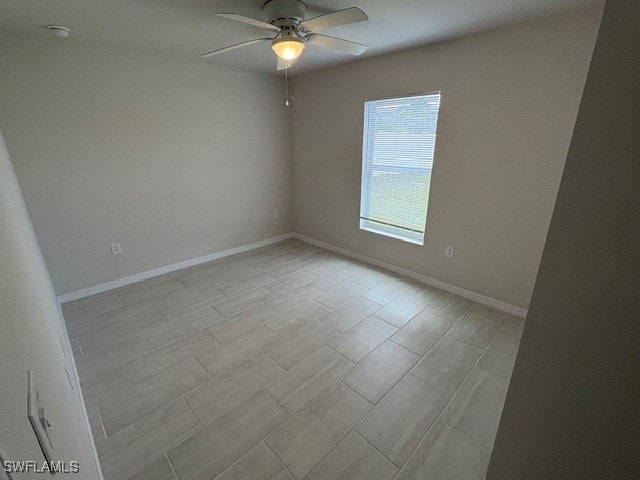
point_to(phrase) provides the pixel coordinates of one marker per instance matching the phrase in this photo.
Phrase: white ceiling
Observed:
(189, 27)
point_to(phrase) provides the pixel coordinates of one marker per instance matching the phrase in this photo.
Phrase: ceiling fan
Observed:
(286, 20)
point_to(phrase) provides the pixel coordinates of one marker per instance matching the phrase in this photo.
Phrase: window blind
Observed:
(398, 149)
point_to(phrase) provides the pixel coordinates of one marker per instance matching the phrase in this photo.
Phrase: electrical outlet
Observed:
(116, 248)
(448, 251)
(277, 214)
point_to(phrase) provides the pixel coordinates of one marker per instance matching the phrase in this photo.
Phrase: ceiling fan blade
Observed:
(282, 64)
(233, 47)
(249, 20)
(336, 44)
(333, 19)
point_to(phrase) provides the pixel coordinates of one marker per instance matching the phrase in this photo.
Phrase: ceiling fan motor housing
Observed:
(285, 13)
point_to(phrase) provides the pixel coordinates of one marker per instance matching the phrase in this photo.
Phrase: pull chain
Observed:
(286, 86)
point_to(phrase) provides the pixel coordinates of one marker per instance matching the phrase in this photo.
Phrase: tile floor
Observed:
(290, 361)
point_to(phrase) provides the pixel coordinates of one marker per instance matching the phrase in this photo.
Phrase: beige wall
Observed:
(173, 158)
(509, 101)
(30, 325)
(572, 407)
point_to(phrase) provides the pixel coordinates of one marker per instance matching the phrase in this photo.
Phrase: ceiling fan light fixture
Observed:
(286, 18)
(288, 48)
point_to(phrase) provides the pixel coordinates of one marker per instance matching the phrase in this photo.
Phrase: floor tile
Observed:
(145, 284)
(449, 306)
(388, 290)
(447, 364)
(354, 459)
(291, 281)
(362, 339)
(274, 249)
(330, 266)
(140, 294)
(124, 406)
(159, 469)
(149, 422)
(403, 308)
(241, 322)
(500, 356)
(307, 437)
(379, 371)
(169, 355)
(477, 327)
(218, 445)
(304, 314)
(245, 284)
(182, 325)
(291, 299)
(81, 323)
(131, 314)
(350, 314)
(290, 350)
(219, 395)
(259, 464)
(92, 305)
(212, 273)
(320, 259)
(398, 422)
(134, 314)
(103, 384)
(199, 289)
(297, 249)
(422, 332)
(286, 257)
(285, 269)
(340, 294)
(333, 279)
(368, 275)
(291, 321)
(242, 268)
(115, 337)
(309, 378)
(476, 407)
(236, 351)
(513, 326)
(242, 302)
(91, 365)
(270, 251)
(210, 298)
(143, 442)
(95, 422)
(445, 454)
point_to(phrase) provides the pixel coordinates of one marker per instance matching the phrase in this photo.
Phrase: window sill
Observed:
(398, 234)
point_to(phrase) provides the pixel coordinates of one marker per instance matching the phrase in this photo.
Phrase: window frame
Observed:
(380, 228)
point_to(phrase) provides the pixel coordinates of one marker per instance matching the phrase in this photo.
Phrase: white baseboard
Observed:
(476, 297)
(138, 277)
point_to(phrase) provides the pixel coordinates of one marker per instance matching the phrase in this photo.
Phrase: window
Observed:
(397, 158)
